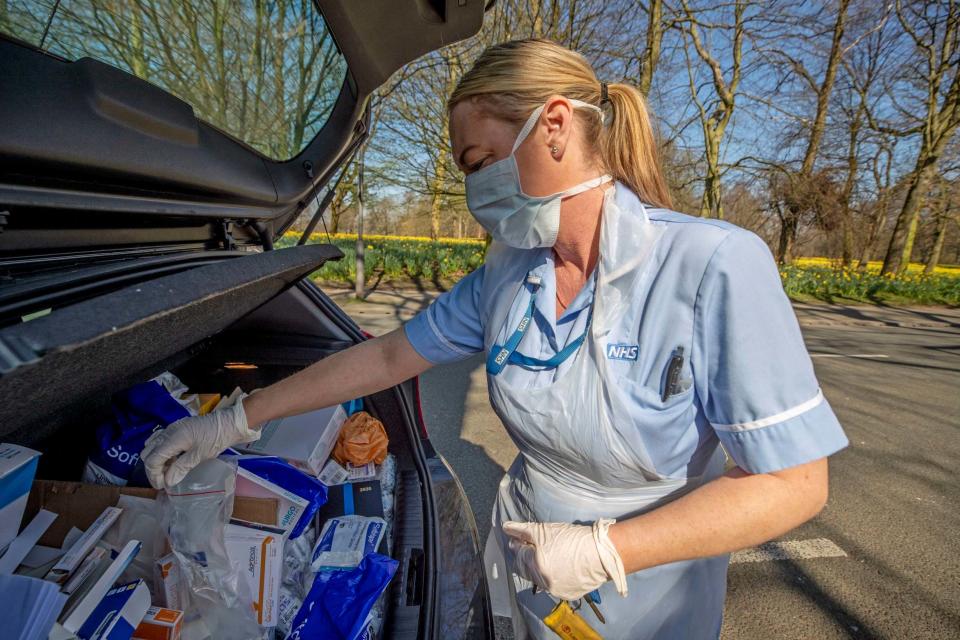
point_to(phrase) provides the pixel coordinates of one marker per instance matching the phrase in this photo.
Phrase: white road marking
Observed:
(848, 355)
(790, 550)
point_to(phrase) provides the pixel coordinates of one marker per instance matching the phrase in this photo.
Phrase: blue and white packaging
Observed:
(137, 413)
(345, 541)
(340, 601)
(298, 495)
(118, 614)
(18, 466)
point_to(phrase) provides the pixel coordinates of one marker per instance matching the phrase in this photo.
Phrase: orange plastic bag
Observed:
(362, 439)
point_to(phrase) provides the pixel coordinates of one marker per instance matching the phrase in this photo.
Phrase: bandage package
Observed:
(257, 553)
(298, 495)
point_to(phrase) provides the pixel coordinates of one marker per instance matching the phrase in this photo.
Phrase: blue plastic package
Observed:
(137, 413)
(353, 406)
(340, 601)
(345, 540)
(289, 478)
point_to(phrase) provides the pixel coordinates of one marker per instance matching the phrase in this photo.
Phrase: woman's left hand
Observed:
(567, 560)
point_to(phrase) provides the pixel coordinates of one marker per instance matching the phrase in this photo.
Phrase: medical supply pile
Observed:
(284, 539)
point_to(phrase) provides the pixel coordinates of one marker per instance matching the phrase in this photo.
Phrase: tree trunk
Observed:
(788, 235)
(847, 250)
(909, 241)
(436, 205)
(876, 225)
(934, 258)
(823, 95)
(335, 213)
(651, 52)
(139, 62)
(853, 166)
(865, 256)
(905, 226)
(710, 204)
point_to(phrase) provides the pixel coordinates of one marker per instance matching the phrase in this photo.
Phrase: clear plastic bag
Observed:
(193, 515)
(140, 520)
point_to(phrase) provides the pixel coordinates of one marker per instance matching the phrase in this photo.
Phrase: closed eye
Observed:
(476, 166)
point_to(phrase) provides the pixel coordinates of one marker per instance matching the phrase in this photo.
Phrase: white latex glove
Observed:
(567, 560)
(169, 454)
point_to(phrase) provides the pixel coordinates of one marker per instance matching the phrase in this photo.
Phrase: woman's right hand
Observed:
(171, 453)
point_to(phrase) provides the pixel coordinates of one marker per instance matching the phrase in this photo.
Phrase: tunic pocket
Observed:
(664, 428)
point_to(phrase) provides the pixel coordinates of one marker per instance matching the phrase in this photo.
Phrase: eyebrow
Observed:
(463, 162)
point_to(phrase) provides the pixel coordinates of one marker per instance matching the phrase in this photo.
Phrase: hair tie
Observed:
(606, 107)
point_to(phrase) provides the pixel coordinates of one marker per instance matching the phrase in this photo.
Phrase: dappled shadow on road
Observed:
(406, 303)
(801, 581)
(879, 315)
(915, 365)
(930, 315)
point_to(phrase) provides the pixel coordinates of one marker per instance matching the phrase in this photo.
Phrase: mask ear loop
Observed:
(532, 120)
(527, 128)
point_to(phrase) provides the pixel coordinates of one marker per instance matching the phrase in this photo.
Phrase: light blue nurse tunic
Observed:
(711, 289)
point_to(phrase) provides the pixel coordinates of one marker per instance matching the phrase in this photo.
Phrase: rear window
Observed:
(265, 72)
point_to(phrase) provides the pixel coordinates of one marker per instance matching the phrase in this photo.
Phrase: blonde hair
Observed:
(511, 79)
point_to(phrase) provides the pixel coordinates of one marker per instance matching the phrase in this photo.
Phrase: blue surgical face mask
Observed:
(497, 201)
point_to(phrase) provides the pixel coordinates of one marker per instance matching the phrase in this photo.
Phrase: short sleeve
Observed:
(450, 329)
(752, 372)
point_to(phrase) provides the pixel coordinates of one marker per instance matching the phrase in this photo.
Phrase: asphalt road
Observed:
(881, 560)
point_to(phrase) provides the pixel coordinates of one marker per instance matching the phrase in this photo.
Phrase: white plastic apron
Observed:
(582, 457)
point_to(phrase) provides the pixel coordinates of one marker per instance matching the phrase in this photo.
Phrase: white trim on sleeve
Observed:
(783, 416)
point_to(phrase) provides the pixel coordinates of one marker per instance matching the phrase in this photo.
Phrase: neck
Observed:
(578, 240)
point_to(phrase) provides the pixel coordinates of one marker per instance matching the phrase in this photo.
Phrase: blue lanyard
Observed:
(502, 355)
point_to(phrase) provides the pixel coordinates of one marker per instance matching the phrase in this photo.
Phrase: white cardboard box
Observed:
(166, 576)
(18, 465)
(257, 553)
(305, 441)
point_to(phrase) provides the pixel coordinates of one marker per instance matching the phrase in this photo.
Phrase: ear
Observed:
(557, 120)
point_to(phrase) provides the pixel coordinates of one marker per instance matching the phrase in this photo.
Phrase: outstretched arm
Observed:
(366, 368)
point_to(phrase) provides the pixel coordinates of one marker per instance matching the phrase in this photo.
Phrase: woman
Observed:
(625, 343)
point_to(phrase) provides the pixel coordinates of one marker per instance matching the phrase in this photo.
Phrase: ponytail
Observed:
(629, 147)
(512, 79)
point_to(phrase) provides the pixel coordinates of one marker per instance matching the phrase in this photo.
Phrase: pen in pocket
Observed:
(673, 374)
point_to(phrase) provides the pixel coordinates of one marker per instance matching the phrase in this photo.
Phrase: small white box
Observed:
(304, 441)
(166, 575)
(18, 465)
(257, 554)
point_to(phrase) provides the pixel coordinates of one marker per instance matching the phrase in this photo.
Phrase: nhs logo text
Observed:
(622, 351)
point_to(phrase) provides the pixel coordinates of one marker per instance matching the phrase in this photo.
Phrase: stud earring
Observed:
(554, 150)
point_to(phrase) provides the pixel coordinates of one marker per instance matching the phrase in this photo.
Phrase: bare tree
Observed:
(932, 28)
(716, 112)
(945, 209)
(801, 185)
(650, 56)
